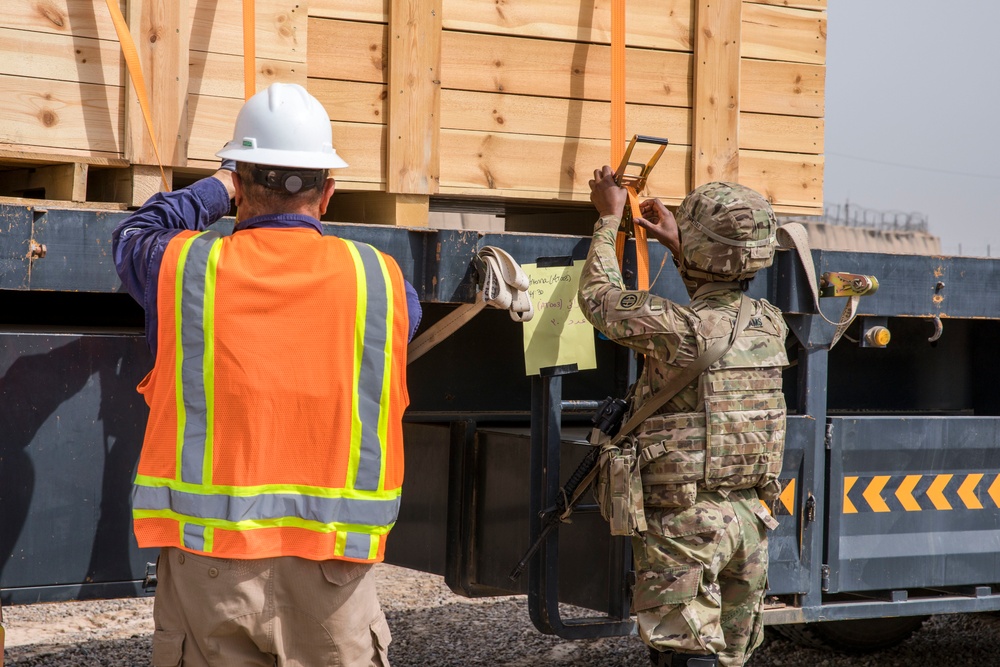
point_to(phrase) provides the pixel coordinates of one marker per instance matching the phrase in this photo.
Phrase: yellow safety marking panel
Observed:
(917, 493)
(786, 499)
(787, 496)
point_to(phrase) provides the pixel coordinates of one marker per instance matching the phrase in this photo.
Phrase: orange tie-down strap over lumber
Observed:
(138, 81)
(618, 144)
(249, 50)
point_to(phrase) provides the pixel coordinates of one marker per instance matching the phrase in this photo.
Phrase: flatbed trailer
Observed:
(891, 507)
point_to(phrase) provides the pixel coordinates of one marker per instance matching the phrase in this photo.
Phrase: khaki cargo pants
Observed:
(701, 572)
(274, 612)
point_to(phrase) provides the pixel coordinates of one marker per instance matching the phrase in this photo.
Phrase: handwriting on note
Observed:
(559, 334)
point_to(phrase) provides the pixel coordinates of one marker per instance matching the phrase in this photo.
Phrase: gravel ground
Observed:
(432, 627)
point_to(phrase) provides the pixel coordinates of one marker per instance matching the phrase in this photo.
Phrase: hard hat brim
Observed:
(277, 158)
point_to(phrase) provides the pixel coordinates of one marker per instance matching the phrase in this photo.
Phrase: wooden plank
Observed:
(716, 110)
(553, 116)
(380, 208)
(55, 204)
(793, 89)
(63, 57)
(784, 179)
(414, 97)
(159, 30)
(799, 4)
(352, 10)
(351, 101)
(788, 134)
(348, 50)
(543, 167)
(781, 33)
(519, 66)
(363, 146)
(656, 24)
(60, 115)
(221, 74)
(210, 124)
(41, 155)
(79, 18)
(281, 34)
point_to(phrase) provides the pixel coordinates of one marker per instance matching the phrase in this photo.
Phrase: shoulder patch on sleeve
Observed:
(631, 300)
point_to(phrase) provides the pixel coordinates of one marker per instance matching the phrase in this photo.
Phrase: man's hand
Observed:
(659, 222)
(226, 176)
(607, 198)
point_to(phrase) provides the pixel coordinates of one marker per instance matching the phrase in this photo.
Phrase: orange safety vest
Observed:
(276, 398)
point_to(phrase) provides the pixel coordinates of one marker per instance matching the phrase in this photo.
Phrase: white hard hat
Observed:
(283, 126)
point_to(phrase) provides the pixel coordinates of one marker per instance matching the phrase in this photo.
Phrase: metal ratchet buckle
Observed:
(632, 181)
(838, 283)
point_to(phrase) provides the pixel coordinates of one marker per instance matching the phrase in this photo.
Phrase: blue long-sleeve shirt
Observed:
(139, 240)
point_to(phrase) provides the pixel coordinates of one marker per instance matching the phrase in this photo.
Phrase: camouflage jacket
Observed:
(671, 335)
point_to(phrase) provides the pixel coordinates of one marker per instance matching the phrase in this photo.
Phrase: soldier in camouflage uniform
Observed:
(714, 450)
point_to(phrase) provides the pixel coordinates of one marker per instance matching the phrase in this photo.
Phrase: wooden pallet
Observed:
(51, 179)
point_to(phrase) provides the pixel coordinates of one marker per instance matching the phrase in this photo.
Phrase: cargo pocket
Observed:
(168, 648)
(380, 641)
(667, 587)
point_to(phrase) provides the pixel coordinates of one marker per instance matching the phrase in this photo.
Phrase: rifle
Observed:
(608, 420)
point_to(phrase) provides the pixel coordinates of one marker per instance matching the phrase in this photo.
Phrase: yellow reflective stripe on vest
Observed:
(194, 303)
(372, 369)
(383, 419)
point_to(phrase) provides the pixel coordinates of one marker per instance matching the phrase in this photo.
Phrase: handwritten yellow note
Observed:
(558, 334)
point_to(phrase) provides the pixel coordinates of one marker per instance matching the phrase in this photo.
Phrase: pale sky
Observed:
(913, 114)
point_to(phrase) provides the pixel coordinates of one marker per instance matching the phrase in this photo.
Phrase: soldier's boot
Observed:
(674, 659)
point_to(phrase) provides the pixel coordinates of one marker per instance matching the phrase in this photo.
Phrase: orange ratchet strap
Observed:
(249, 50)
(138, 82)
(618, 143)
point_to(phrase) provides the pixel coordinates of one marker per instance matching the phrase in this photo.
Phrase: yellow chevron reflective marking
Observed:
(761, 502)
(873, 494)
(905, 493)
(994, 491)
(967, 492)
(936, 492)
(849, 507)
(787, 496)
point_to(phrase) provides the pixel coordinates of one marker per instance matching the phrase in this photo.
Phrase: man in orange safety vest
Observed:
(272, 463)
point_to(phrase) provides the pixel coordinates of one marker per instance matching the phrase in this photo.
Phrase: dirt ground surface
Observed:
(432, 627)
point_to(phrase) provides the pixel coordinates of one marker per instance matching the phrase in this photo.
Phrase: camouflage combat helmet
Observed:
(727, 233)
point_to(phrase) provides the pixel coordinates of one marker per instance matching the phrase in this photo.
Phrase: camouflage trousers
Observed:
(701, 572)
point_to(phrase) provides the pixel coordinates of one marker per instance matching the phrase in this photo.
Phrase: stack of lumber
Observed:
(430, 100)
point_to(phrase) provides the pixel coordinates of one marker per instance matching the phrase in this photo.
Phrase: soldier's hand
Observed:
(659, 222)
(607, 197)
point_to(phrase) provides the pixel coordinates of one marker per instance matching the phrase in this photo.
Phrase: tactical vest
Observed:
(737, 440)
(276, 398)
